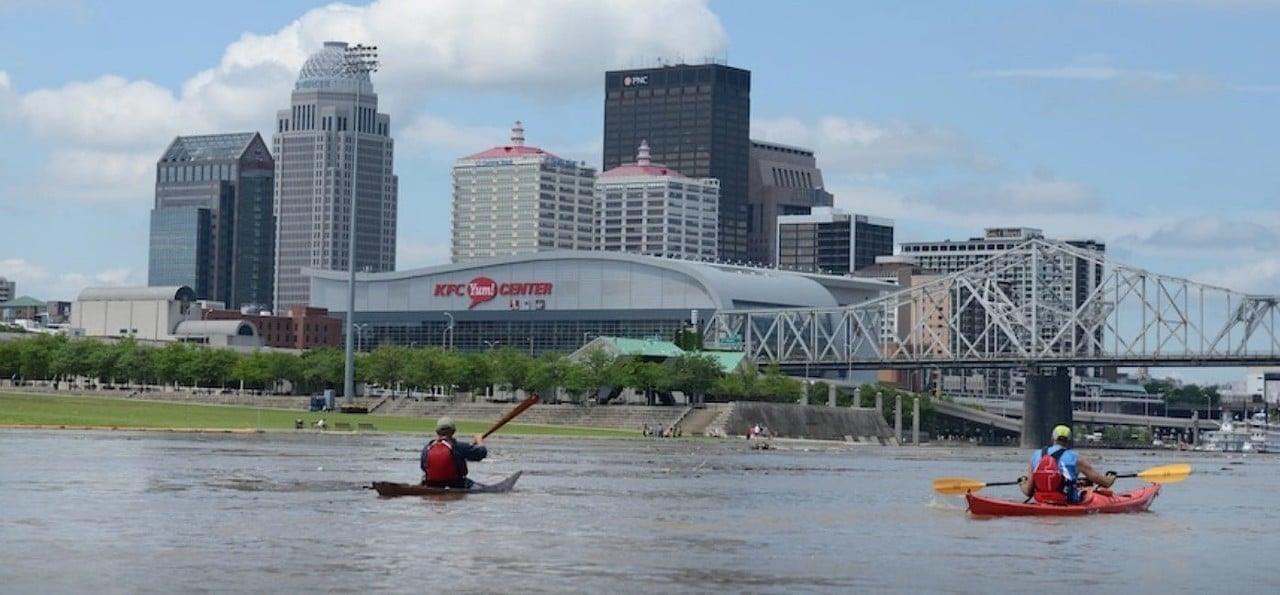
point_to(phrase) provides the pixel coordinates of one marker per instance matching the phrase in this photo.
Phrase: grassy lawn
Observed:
(101, 412)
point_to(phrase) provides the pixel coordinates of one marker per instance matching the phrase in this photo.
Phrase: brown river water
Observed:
(149, 512)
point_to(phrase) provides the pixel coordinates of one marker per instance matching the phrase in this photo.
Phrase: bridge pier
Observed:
(1047, 403)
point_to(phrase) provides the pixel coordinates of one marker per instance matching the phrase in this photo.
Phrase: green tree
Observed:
(170, 361)
(253, 370)
(511, 369)
(475, 372)
(778, 387)
(648, 377)
(135, 362)
(284, 366)
(694, 374)
(548, 372)
(323, 368)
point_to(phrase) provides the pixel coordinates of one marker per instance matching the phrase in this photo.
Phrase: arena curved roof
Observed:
(729, 286)
(137, 294)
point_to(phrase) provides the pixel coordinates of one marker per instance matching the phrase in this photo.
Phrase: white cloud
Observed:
(39, 282)
(862, 147)
(449, 140)
(1256, 273)
(918, 219)
(9, 102)
(1095, 69)
(1214, 233)
(1036, 194)
(424, 46)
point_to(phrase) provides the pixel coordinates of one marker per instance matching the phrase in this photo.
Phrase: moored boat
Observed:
(1094, 502)
(389, 489)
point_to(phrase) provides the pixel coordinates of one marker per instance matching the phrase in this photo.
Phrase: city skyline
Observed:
(1141, 124)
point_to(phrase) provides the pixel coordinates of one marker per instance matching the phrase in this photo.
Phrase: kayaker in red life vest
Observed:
(1057, 470)
(444, 459)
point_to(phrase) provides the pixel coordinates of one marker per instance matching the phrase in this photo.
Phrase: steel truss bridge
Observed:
(1041, 303)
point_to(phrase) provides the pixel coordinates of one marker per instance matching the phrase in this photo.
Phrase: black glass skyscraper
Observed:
(696, 120)
(212, 228)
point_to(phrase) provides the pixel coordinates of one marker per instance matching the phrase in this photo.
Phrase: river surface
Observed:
(150, 512)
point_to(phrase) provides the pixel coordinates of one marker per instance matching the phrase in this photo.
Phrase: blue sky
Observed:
(1147, 124)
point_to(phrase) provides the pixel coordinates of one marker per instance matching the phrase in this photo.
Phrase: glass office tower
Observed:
(212, 227)
(696, 120)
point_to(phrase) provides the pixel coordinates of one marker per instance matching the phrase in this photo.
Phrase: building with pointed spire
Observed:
(517, 198)
(213, 227)
(648, 208)
(332, 108)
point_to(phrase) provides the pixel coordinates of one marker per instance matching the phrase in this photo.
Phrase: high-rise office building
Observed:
(518, 198)
(212, 228)
(8, 289)
(784, 181)
(829, 240)
(696, 119)
(332, 107)
(647, 208)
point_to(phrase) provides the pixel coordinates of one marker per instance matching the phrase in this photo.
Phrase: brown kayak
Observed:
(388, 489)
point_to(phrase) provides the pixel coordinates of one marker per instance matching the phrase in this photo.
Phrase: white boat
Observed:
(1227, 438)
(1263, 436)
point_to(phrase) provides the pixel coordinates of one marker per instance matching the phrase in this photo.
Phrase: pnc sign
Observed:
(638, 80)
(484, 289)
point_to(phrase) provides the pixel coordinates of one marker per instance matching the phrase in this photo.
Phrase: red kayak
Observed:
(1094, 502)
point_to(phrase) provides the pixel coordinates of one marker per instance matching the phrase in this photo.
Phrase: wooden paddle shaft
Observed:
(525, 404)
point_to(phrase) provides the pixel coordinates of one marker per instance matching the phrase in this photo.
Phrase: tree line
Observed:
(128, 362)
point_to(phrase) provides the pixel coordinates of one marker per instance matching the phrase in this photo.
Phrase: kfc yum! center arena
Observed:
(559, 301)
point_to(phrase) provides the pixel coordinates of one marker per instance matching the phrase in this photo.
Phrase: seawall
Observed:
(814, 422)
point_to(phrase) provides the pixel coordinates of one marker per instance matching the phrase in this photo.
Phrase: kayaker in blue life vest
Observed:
(444, 459)
(1057, 470)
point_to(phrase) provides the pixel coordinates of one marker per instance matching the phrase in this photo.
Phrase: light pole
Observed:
(446, 337)
(357, 62)
(492, 344)
(586, 335)
(360, 328)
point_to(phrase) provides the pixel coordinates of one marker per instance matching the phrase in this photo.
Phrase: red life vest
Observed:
(1047, 480)
(440, 465)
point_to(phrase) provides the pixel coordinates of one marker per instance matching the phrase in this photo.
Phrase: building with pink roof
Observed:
(517, 199)
(648, 208)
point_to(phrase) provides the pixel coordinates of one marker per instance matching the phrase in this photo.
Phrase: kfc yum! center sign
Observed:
(484, 289)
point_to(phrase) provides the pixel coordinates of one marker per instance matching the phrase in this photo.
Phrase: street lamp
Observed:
(586, 335)
(446, 336)
(357, 62)
(492, 344)
(360, 328)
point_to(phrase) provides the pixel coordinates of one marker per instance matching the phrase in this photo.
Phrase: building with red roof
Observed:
(648, 208)
(517, 199)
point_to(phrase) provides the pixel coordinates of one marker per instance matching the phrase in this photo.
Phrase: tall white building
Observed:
(647, 208)
(517, 199)
(316, 157)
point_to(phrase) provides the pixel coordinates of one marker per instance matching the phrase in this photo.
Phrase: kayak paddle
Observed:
(1163, 474)
(525, 404)
(956, 486)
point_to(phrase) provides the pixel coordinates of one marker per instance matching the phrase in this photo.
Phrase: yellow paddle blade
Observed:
(957, 486)
(1166, 473)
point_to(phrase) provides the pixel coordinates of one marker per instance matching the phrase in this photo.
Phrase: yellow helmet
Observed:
(1062, 432)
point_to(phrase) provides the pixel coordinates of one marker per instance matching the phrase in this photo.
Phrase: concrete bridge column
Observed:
(880, 403)
(804, 393)
(1047, 403)
(897, 419)
(915, 421)
(857, 398)
(831, 395)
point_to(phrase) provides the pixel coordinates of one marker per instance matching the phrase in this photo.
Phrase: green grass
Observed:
(101, 412)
